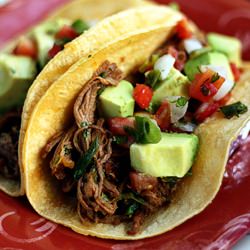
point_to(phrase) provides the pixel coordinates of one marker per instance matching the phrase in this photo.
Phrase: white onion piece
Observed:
(176, 112)
(245, 131)
(222, 71)
(192, 44)
(224, 89)
(186, 127)
(93, 22)
(164, 64)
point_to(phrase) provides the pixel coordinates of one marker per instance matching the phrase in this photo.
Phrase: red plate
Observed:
(219, 226)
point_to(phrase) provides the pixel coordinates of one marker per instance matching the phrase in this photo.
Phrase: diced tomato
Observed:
(205, 110)
(140, 182)
(26, 47)
(143, 95)
(54, 50)
(163, 115)
(180, 57)
(225, 99)
(236, 71)
(117, 125)
(66, 32)
(172, 51)
(202, 88)
(182, 30)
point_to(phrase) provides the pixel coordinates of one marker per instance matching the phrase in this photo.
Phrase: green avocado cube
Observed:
(192, 66)
(228, 45)
(117, 101)
(16, 75)
(174, 155)
(44, 36)
(176, 84)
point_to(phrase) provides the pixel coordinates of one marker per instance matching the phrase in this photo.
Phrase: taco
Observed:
(21, 61)
(129, 144)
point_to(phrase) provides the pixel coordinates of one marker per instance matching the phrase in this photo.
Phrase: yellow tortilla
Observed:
(111, 29)
(89, 10)
(53, 113)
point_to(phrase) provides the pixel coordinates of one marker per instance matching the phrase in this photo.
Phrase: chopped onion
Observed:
(192, 44)
(177, 112)
(186, 126)
(222, 71)
(93, 22)
(164, 64)
(224, 89)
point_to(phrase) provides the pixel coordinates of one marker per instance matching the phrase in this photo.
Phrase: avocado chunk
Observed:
(192, 66)
(176, 84)
(117, 101)
(16, 75)
(228, 45)
(172, 156)
(44, 35)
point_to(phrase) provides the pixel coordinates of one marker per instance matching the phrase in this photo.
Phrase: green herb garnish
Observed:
(119, 139)
(85, 160)
(80, 26)
(234, 109)
(181, 101)
(153, 77)
(145, 131)
(215, 77)
(132, 208)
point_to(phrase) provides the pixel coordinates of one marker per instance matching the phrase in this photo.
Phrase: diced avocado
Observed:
(228, 45)
(44, 35)
(117, 101)
(191, 68)
(16, 75)
(172, 156)
(176, 84)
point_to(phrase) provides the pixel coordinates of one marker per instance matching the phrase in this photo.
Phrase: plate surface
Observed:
(219, 226)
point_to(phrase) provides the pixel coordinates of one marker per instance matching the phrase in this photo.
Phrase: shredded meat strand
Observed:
(108, 176)
(9, 135)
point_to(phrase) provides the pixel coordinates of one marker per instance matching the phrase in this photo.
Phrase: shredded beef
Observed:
(108, 191)
(9, 134)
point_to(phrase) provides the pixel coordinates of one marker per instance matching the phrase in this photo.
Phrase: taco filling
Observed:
(132, 141)
(17, 71)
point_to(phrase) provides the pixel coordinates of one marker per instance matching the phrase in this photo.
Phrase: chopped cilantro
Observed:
(80, 26)
(153, 77)
(215, 77)
(181, 101)
(234, 109)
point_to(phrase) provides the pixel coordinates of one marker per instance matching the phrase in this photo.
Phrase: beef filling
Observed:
(87, 163)
(9, 134)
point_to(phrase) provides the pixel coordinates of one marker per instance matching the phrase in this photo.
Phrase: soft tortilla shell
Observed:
(113, 28)
(87, 10)
(54, 113)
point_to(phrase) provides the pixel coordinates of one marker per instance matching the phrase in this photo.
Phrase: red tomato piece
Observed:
(143, 95)
(66, 32)
(140, 182)
(182, 30)
(116, 125)
(180, 57)
(202, 88)
(236, 71)
(26, 47)
(163, 116)
(205, 110)
(54, 50)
